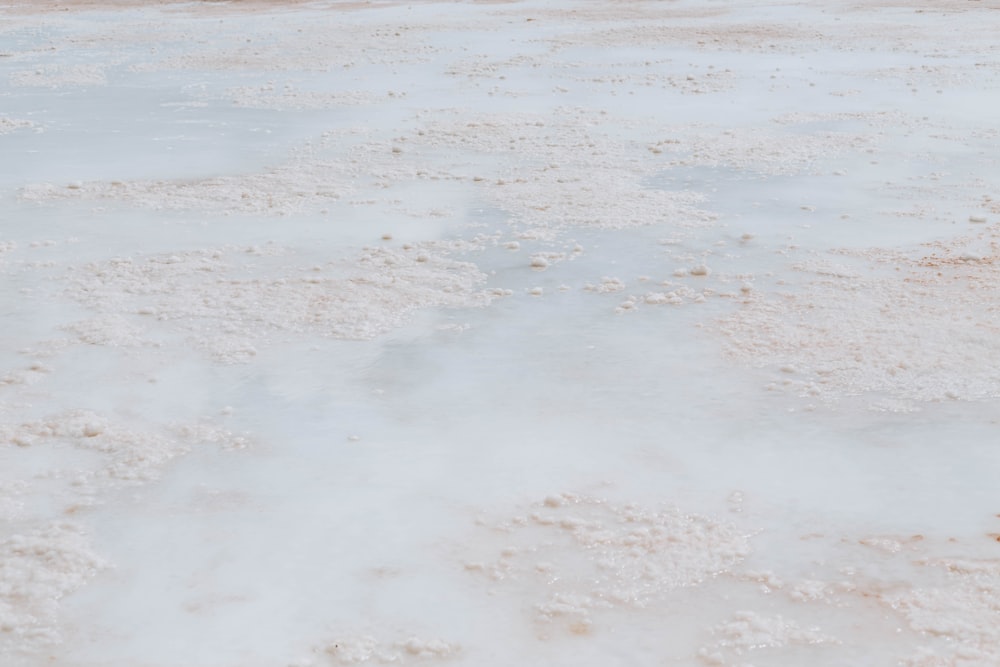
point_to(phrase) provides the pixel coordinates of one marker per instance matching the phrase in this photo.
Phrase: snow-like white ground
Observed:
(483, 333)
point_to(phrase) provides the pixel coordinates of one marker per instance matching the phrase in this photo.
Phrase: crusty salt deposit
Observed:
(125, 454)
(227, 301)
(37, 569)
(632, 558)
(288, 98)
(56, 76)
(279, 191)
(568, 169)
(885, 327)
(607, 285)
(749, 633)
(760, 150)
(958, 614)
(365, 649)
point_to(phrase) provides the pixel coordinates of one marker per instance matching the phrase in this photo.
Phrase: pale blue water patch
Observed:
(132, 130)
(28, 314)
(851, 210)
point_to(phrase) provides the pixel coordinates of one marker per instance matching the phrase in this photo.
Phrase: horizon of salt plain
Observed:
(395, 510)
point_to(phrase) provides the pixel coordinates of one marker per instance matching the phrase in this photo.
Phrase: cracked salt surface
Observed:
(498, 333)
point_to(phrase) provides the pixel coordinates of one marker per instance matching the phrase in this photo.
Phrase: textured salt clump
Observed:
(543, 260)
(608, 285)
(37, 570)
(8, 125)
(628, 304)
(675, 296)
(126, 455)
(631, 557)
(748, 633)
(113, 330)
(435, 648)
(365, 649)
(539, 262)
(700, 270)
(659, 298)
(227, 301)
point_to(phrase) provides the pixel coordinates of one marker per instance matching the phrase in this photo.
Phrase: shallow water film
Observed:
(499, 333)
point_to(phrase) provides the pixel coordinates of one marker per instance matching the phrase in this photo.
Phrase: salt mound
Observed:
(579, 556)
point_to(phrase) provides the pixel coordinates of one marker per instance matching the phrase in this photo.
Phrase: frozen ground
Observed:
(527, 333)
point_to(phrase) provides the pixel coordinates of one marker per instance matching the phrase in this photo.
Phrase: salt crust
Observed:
(960, 617)
(365, 649)
(55, 76)
(124, 454)
(571, 168)
(546, 172)
(288, 98)
(229, 300)
(949, 603)
(885, 328)
(283, 190)
(579, 556)
(748, 632)
(606, 77)
(43, 561)
(761, 150)
(37, 569)
(314, 178)
(607, 285)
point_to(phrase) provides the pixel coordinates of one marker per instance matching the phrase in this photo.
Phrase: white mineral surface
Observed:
(542, 332)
